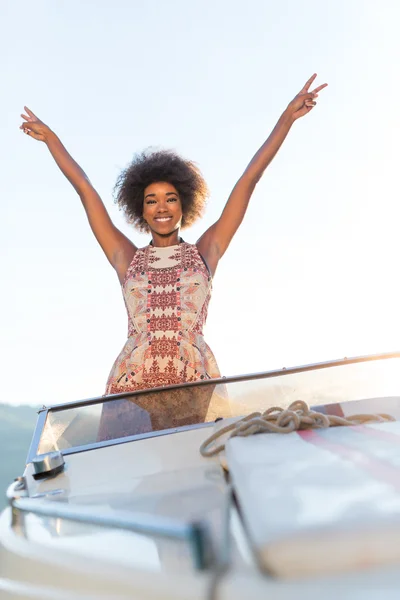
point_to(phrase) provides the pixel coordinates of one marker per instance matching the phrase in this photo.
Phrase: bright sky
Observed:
(313, 272)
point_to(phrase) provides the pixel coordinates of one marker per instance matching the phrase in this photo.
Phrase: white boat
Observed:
(116, 500)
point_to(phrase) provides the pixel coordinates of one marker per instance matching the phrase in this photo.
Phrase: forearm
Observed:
(67, 165)
(236, 207)
(96, 212)
(116, 246)
(268, 150)
(217, 238)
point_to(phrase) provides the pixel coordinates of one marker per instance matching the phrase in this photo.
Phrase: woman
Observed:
(167, 284)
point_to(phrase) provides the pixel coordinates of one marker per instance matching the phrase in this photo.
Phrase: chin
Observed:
(165, 230)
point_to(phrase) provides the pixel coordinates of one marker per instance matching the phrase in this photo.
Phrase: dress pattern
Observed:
(166, 293)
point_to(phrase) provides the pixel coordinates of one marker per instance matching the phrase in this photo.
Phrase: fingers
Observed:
(306, 86)
(319, 88)
(31, 114)
(32, 134)
(30, 117)
(310, 101)
(27, 127)
(305, 100)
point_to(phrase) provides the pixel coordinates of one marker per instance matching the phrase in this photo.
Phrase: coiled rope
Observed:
(297, 416)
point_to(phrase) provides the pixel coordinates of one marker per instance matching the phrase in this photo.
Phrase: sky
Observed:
(311, 275)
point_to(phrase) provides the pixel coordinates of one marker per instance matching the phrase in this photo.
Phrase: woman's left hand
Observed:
(305, 100)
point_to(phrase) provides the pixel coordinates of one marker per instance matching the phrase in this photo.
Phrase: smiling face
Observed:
(162, 208)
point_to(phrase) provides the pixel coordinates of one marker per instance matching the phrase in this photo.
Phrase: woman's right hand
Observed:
(34, 127)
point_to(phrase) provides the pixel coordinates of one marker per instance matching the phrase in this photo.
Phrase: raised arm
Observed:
(214, 242)
(116, 246)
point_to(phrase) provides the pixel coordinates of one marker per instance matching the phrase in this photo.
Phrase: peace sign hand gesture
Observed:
(34, 127)
(304, 102)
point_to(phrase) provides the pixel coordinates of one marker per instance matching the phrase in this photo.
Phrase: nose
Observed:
(162, 207)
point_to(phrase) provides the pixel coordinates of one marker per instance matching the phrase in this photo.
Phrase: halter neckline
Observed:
(181, 241)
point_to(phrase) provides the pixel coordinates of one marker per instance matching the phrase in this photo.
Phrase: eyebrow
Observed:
(167, 194)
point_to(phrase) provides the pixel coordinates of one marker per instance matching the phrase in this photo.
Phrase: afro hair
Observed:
(155, 166)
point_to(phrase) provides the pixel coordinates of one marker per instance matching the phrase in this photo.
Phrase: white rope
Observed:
(279, 420)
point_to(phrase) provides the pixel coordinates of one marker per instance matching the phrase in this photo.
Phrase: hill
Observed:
(16, 428)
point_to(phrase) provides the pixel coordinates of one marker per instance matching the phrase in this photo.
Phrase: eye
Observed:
(173, 199)
(150, 201)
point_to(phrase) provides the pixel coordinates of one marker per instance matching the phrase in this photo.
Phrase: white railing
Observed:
(196, 534)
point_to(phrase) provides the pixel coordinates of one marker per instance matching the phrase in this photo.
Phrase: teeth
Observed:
(162, 218)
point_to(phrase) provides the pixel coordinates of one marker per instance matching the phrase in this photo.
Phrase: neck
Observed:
(163, 241)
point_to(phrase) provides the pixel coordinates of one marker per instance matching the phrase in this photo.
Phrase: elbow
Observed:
(250, 179)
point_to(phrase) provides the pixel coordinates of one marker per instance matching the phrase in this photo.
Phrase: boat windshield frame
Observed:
(285, 371)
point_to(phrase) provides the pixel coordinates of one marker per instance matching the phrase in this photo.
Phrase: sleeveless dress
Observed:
(166, 293)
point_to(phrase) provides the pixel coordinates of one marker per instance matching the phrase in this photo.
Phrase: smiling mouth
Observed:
(162, 219)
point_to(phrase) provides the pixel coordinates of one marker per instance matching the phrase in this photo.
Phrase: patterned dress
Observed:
(166, 293)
